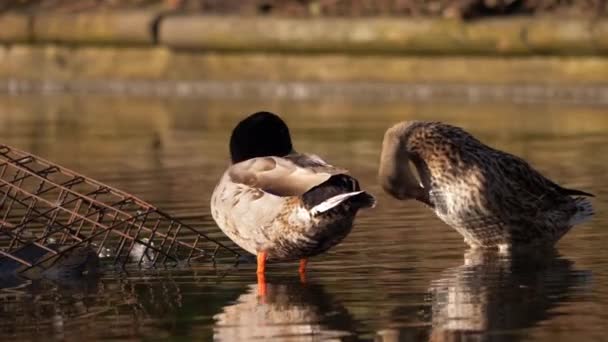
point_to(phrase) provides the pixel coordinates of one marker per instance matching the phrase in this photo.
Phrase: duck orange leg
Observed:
(262, 262)
(261, 273)
(302, 269)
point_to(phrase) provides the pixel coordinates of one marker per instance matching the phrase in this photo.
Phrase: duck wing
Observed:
(525, 194)
(289, 176)
(534, 181)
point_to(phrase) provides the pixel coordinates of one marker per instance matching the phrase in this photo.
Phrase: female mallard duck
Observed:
(492, 198)
(279, 204)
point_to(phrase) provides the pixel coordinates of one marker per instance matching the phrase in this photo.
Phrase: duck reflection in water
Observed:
(492, 295)
(287, 312)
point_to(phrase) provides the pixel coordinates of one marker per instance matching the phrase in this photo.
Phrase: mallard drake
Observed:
(492, 198)
(279, 204)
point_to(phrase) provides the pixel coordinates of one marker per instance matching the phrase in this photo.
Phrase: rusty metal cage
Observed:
(45, 205)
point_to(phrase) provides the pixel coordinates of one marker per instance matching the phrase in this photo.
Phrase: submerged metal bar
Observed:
(17, 259)
(87, 240)
(75, 174)
(42, 199)
(127, 215)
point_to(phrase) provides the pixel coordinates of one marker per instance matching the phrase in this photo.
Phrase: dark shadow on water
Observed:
(189, 303)
(290, 310)
(43, 307)
(492, 297)
(135, 304)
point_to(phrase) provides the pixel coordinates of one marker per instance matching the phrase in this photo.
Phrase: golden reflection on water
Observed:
(490, 292)
(400, 275)
(289, 311)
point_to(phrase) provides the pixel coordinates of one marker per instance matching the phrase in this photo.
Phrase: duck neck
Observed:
(395, 174)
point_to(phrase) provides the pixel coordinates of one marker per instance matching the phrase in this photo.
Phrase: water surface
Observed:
(400, 275)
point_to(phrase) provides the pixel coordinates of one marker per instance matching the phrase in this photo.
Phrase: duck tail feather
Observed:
(574, 192)
(360, 199)
(584, 211)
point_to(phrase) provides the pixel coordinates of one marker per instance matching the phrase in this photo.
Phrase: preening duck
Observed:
(279, 204)
(492, 198)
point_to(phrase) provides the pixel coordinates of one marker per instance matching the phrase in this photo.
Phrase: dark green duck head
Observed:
(262, 134)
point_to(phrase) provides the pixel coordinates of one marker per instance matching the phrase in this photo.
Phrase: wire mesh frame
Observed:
(44, 204)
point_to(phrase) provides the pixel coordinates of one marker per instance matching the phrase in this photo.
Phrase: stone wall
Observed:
(149, 46)
(507, 36)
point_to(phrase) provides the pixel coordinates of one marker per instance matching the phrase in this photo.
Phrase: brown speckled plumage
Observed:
(492, 198)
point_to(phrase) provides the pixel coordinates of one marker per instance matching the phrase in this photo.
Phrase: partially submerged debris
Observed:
(54, 261)
(54, 219)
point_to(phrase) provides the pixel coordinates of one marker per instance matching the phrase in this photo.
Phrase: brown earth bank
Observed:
(467, 9)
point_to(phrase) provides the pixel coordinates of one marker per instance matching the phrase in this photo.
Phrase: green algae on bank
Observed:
(378, 35)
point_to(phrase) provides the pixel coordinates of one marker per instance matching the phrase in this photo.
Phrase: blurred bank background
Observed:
(348, 8)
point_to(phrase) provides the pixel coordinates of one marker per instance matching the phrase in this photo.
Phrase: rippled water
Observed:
(401, 274)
